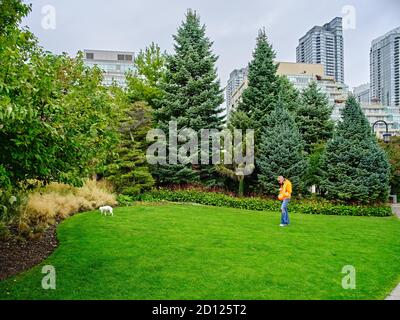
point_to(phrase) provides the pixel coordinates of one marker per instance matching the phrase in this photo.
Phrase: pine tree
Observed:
(286, 94)
(259, 97)
(313, 117)
(129, 171)
(281, 152)
(355, 168)
(191, 96)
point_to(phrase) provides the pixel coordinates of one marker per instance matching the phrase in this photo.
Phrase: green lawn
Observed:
(199, 252)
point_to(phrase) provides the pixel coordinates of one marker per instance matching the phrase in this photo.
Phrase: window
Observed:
(90, 55)
(125, 57)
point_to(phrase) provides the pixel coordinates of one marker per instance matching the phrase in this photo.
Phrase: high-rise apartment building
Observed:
(324, 45)
(385, 69)
(114, 64)
(362, 93)
(236, 79)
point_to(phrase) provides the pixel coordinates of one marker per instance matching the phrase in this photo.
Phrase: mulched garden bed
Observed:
(19, 255)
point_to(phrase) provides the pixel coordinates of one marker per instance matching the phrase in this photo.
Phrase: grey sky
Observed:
(232, 25)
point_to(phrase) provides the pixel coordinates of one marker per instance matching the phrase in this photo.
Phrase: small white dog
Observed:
(106, 209)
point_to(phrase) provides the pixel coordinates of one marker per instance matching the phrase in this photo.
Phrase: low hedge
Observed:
(260, 204)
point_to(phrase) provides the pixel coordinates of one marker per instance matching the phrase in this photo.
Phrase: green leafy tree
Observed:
(144, 83)
(281, 152)
(355, 169)
(191, 96)
(235, 171)
(259, 98)
(313, 117)
(56, 118)
(128, 170)
(11, 14)
(392, 150)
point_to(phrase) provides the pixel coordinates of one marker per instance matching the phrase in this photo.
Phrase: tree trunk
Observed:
(241, 187)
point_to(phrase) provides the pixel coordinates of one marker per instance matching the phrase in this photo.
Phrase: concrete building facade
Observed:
(114, 64)
(362, 93)
(301, 74)
(378, 112)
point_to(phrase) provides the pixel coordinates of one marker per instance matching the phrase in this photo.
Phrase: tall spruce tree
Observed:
(355, 169)
(259, 98)
(191, 96)
(128, 169)
(313, 117)
(287, 95)
(281, 152)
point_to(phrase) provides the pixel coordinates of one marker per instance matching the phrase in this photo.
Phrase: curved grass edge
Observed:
(389, 288)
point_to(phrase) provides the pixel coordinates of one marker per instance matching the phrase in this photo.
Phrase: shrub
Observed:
(96, 193)
(261, 204)
(58, 201)
(4, 232)
(10, 204)
(124, 200)
(59, 188)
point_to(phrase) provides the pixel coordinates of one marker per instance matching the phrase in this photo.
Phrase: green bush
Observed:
(124, 200)
(260, 204)
(4, 232)
(10, 203)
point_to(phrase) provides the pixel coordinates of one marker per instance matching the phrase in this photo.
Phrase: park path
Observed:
(396, 209)
(395, 295)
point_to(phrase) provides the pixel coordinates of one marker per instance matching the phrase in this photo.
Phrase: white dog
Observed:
(106, 209)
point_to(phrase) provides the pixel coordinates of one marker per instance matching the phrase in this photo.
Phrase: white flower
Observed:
(12, 199)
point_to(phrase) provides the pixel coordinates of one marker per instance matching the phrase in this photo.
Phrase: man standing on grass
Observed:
(285, 192)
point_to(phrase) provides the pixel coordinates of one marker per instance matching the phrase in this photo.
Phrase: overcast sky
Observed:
(232, 24)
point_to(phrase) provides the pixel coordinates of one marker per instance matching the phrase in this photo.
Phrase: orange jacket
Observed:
(286, 189)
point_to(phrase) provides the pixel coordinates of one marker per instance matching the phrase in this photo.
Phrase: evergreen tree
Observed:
(129, 171)
(281, 152)
(259, 97)
(287, 95)
(355, 168)
(191, 96)
(313, 117)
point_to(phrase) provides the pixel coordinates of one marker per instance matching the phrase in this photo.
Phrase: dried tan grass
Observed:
(58, 201)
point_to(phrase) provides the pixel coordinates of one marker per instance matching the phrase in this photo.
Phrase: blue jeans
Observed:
(285, 213)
